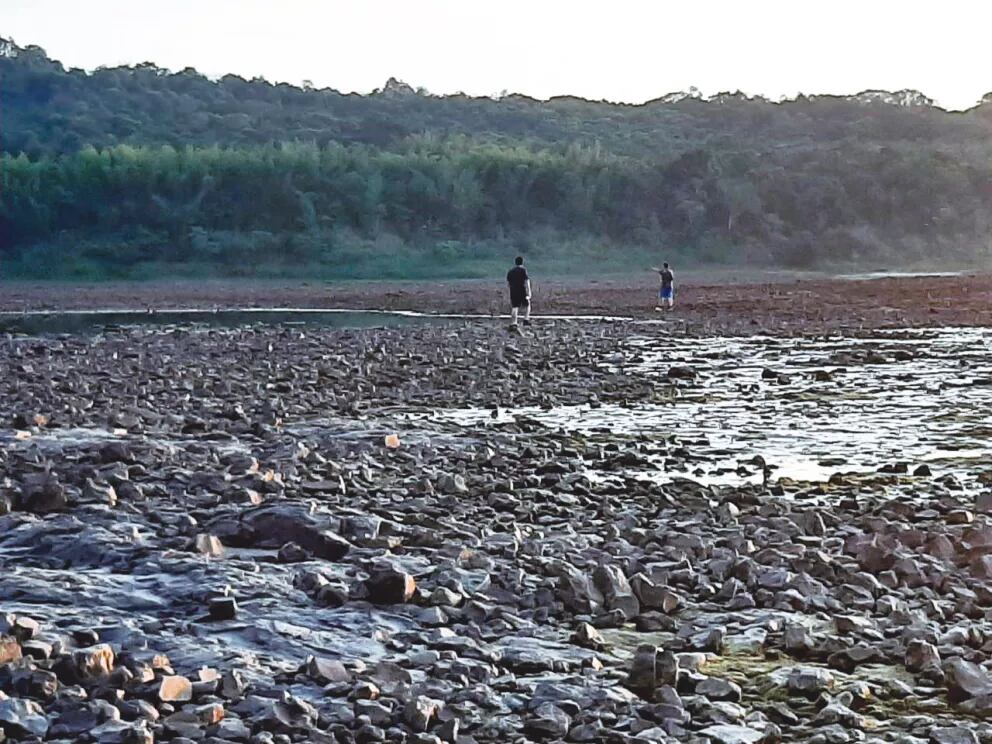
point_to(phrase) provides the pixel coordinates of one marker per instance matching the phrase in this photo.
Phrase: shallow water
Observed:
(37, 323)
(929, 401)
(869, 275)
(33, 323)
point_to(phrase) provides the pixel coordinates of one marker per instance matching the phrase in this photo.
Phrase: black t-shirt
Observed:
(667, 278)
(517, 279)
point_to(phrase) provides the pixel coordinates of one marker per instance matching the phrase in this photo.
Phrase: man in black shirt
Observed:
(519, 290)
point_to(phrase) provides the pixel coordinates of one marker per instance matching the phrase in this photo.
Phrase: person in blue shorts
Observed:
(666, 294)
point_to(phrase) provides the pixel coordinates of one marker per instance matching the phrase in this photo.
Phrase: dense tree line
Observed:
(125, 168)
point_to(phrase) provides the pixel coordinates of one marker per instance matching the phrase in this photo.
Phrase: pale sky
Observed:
(619, 50)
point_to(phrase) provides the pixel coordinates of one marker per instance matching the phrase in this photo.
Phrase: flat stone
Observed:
(953, 735)
(175, 689)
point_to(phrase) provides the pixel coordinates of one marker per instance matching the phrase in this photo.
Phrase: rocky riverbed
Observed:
(594, 532)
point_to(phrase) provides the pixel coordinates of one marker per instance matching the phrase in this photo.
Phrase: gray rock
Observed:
(810, 681)
(549, 722)
(615, 588)
(953, 735)
(713, 688)
(20, 718)
(966, 680)
(921, 655)
(420, 712)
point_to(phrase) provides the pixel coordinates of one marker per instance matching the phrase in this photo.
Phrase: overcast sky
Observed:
(620, 50)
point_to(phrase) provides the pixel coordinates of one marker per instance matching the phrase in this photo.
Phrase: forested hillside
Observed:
(139, 172)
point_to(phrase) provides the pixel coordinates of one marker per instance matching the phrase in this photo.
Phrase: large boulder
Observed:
(966, 680)
(273, 527)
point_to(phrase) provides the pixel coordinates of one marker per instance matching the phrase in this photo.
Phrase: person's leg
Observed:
(527, 312)
(513, 315)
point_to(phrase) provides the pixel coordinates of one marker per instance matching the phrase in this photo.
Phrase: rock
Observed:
(389, 586)
(836, 712)
(953, 735)
(960, 516)
(750, 642)
(292, 553)
(24, 628)
(852, 624)
(10, 650)
(810, 681)
(444, 597)
(654, 597)
(578, 593)
(233, 684)
(719, 690)
(983, 502)
(847, 660)
(921, 655)
(588, 637)
(616, 590)
(223, 608)
(232, 729)
(77, 720)
(549, 722)
(966, 680)
(682, 373)
(668, 669)
(20, 718)
(711, 640)
(419, 712)
(208, 545)
(99, 493)
(643, 670)
(42, 494)
(175, 689)
(116, 732)
(94, 663)
(273, 527)
(133, 710)
(448, 731)
(327, 671)
(292, 713)
(452, 484)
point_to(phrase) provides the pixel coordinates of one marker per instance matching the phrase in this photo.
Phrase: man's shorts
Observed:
(667, 293)
(519, 301)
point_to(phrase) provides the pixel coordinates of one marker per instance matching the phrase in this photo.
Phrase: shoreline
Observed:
(705, 303)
